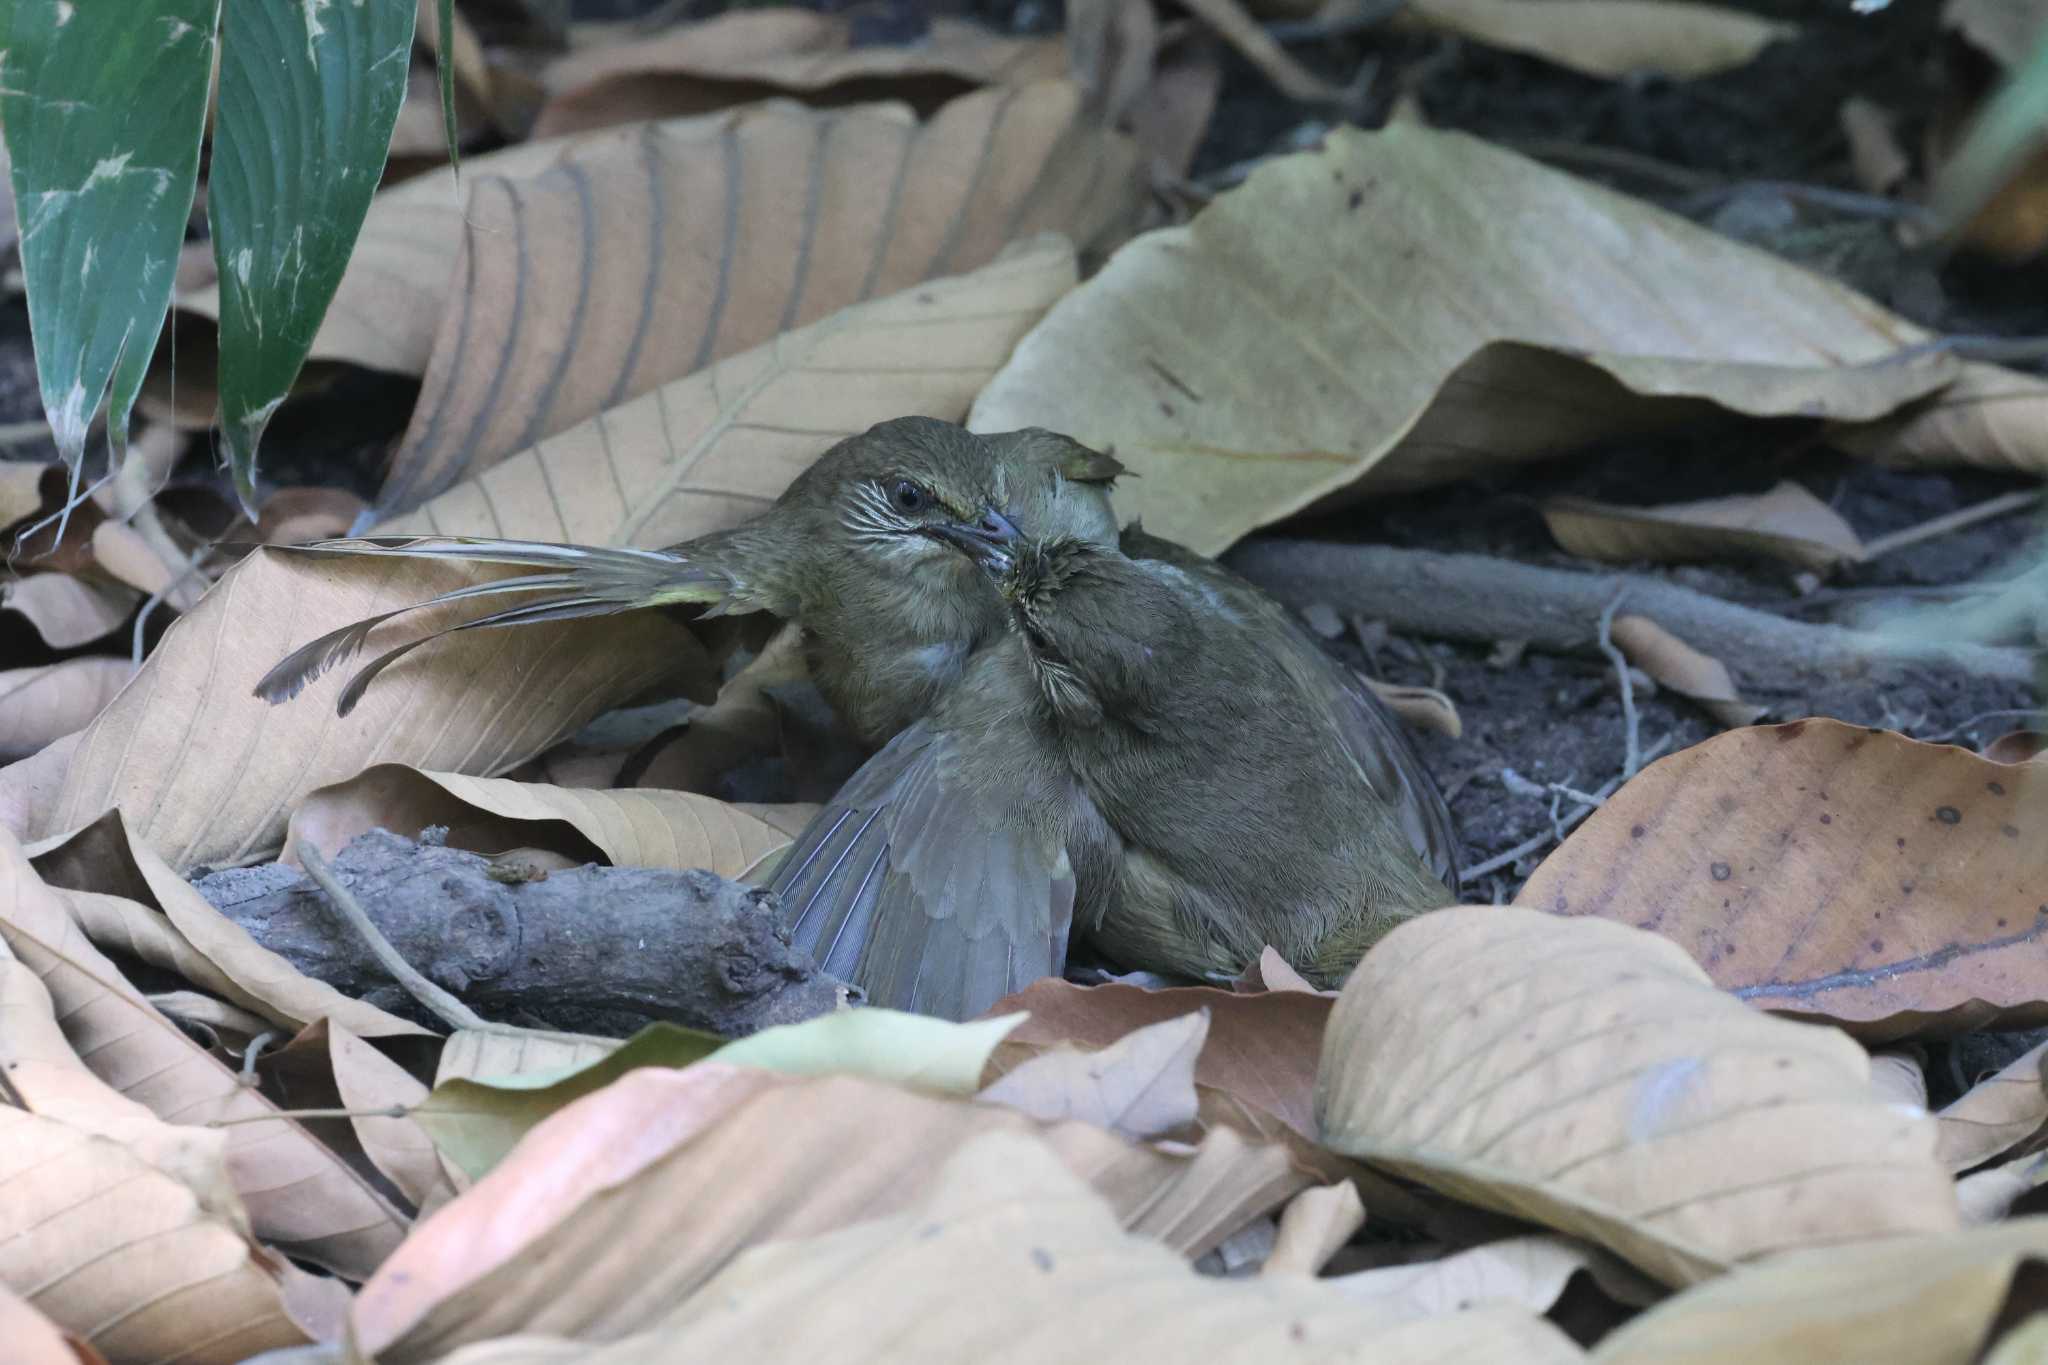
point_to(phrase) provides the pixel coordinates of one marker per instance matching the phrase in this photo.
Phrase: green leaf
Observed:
(103, 105)
(476, 1122)
(444, 60)
(309, 91)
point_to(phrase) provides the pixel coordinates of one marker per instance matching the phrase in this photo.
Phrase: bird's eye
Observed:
(906, 496)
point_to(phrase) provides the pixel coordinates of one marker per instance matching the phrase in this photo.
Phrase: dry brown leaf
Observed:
(1878, 162)
(1403, 308)
(473, 1055)
(1009, 1258)
(1902, 1302)
(742, 725)
(233, 1028)
(1272, 973)
(1530, 1272)
(1613, 38)
(655, 252)
(1822, 869)
(1787, 524)
(33, 1339)
(629, 827)
(750, 53)
(712, 1159)
(1425, 708)
(1997, 1192)
(21, 490)
(2017, 746)
(1899, 1076)
(1678, 666)
(1171, 117)
(716, 448)
(2002, 1113)
(292, 516)
(1589, 1077)
(1142, 1086)
(204, 772)
(1237, 28)
(1112, 48)
(68, 611)
(38, 705)
(180, 930)
(366, 1079)
(299, 1196)
(124, 1256)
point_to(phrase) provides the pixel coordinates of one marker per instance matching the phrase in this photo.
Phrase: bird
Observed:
(1140, 760)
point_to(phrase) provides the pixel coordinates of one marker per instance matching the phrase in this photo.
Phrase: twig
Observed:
(2003, 350)
(1368, 16)
(253, 1051)
(1821, 196)
(1615, 159)
(430, 996)
(1481, 599)
(1633, 760)
(1826, 597)
(1988, 510)
(1560, 828)
(392, 1111)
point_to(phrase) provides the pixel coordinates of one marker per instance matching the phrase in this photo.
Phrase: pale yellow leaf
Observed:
(205, 772)
(715, 449)
(38, 705)
(1901, 1302)
(629, 827)
(660, 249)
(1530, 1272)
(1404, 308)
(1613, 38)
(1787, 524)
(1589, 1077)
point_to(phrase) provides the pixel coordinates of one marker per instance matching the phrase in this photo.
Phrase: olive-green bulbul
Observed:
(1134, 759)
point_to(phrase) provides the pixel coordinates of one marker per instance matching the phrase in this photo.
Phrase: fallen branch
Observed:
(1481, 599)
(589, 949)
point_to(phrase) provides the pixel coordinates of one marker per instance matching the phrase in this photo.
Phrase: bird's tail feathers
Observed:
(587, 580)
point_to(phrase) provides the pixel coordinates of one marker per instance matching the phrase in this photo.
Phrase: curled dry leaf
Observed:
(2005, 1112)
(1821, 869)
(745, 54)
(38, 705)
(1425, 708)
(2017, 746)
(711, 450)
(168, 924)
(1589, 1077)
(651, 253)
(1008, 1257)
(629, 827)
(1898, 1302)
(67, 611)
(1142, 1086)
(1787, 524)
(204, 772)
(123, 1255)
(1678, 666)
(292, 516)
(713, 1159)
(1514, 312)
(1613, 38)
(1313, 1226)
(300, 1197)
(327, 1067)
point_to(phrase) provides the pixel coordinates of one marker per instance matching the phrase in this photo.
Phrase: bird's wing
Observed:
(585, 580)
(1370, 732)
(924, 889)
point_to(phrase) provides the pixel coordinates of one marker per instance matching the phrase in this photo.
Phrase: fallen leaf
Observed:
(1826, 870)
(38, 705)
(1425, 708)
(1678, 666)
(1315, 1224)
(35, 1340)
(742, 725)
(186, 934)
(476, 1120)
(327, 1067)
(1258, 47)
(746, 54)
(1898, 1302)
(1142, 1086)
(711, 450)
(1898, 1076)
(1530, 1272)
(204, 772)
(2000, 1192)
(1171, 117)
(630, 827)
(21, 490)
(1787, 524)
(66, 611)
(1009, 1258)
(299, 1196)
(1876, 159)
(713, 1159)
(292, 516)
(111, 1248)
(1272, 973)
(1611, 38)
(2017, 746)
(1404, 308)
(651, 253)
(1589, 1077)
(2003, 1113)
(1112, 47)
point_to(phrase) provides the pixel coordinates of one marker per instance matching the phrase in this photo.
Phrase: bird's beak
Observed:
(987, 541)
